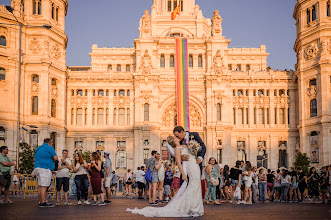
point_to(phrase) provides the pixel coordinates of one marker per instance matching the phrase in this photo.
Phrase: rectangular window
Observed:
(234, 116)
(169, 6)
(175, 4)
(312, 82)
(268, 121)
(101, 93)
(240, 118)
(308, 16)
(229, 67)
(247, 116)
(79, 145)
(80, 92)
(200, 61)
(79, 116)
(146, 155)
(181, 5)
(128, 116)
(119, 68)
(146, 112)
(115, 116)
(100, 116)
(121, 116)
(328, 9)
(93, 117)
(219, 116)
(162, 61)
(219, 156)
(39, 7)
(190, 60)
(99, 144)
(172, 61)
(128, 68)
(281, 116)
(121, 92)
(35, 105)
(313, 11)
(260, 116)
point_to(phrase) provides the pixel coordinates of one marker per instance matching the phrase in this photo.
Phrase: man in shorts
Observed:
(153, 166)
(44, 164)
(62, 177)
(5, 177)
(140, 179)
(114, 182)
(108, 176)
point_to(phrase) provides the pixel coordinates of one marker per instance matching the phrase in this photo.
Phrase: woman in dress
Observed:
(188, 201)
(227, 183)
(313, 180)
(248, 183)
(160, 173)
(294, 187)
(96, 178)
(211, 175)
(81, 178)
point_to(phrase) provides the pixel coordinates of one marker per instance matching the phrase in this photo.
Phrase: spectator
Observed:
(5, 178)
(44, 164)
(167, 182)
(175, 185)
(294, 186)
(218, 173)
(285, 181)
(324, 184)
(235, 175)
(227, 183)
(140, 179)
(203, 182)
(62, 177)
(153, 166)
(262, 185)
(210, 176)
(302, 184)
(248, 183)
(81, 178)
(96, 178)
(270, 185)
(313, 181)
(329, 185)
(115, 182)
(15, 183)
(108, 176)
(277, 186)
(128, 178)
(255, 184)
(160, 175)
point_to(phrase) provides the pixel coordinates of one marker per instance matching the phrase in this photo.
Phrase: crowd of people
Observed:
(159, 182)
(246, 184)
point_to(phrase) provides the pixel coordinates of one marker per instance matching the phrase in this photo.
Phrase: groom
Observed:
(185, 137)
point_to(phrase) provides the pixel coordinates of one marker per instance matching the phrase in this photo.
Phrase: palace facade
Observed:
(125, 102)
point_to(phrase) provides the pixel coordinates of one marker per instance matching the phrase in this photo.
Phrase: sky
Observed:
(248, 23)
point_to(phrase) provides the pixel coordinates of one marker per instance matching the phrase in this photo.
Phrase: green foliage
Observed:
(26, 158)
(301, 160)
(86, 156)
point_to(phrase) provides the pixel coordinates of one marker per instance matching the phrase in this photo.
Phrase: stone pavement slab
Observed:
(28, 209)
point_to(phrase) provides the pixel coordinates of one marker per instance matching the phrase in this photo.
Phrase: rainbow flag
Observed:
(183, 113)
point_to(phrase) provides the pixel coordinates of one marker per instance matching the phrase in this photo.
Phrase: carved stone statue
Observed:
(146, 63)
(216, 23)
(146, 22)
(218, 64)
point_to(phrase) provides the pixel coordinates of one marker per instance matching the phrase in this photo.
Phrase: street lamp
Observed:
(46, 26)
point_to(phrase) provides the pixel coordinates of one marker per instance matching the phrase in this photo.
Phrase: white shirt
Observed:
(63, 172)
(81, 171)
(287, 179)
(140, 176)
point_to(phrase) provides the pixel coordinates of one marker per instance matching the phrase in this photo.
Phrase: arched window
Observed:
(121, 93)
(219, 112)
(146, 112)
(128, 93)
(110, 67)
(128, 68)
(34, 105)
(169, 6)
(200, 60)
(308, 16)
(190, 60)
(121, 159)
(313, 108)
(313, 12)
(35, 78)
(53, 108)
(162, 61)
(53, 82)
(3, 41)
(2, 74)
(53, 11)
(34, 4)
(39, 7)
(115, 93)
(119, 68)
(328, 9)
(172, 60)
(57, 14)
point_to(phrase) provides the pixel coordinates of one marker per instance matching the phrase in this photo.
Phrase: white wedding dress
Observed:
(188, 200)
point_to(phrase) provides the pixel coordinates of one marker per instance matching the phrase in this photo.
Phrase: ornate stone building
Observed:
(125, 101)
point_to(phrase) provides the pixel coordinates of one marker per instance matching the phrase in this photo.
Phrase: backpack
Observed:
(148, 175)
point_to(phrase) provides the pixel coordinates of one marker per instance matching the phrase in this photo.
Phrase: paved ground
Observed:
(28, 209)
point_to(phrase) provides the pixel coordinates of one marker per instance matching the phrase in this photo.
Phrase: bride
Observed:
(188, 200)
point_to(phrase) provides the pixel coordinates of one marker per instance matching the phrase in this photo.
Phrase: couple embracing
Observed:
(189, 151)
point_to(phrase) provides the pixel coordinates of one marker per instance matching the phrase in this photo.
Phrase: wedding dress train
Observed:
(188, 200)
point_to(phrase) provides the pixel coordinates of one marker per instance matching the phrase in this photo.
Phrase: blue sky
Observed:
(249, 23)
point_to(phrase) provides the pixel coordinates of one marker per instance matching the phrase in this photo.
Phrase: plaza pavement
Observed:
(28, 209)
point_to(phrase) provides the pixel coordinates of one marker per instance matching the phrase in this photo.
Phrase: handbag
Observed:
(237, 194)
(215, 181)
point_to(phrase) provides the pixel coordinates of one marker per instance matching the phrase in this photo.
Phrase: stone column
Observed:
(104, 116)
(286, 116)
(83, 116)
(75, 116)
(277, 116)
(255, 116)
(265, 115)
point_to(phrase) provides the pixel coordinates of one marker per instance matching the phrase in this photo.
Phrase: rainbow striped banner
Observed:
(183, 112)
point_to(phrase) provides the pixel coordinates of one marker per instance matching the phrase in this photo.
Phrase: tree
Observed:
(86, 156)
(26, 156)
(301, 160)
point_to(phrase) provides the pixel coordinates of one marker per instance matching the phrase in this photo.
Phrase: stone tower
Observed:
(43, 77)
(313, 69)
